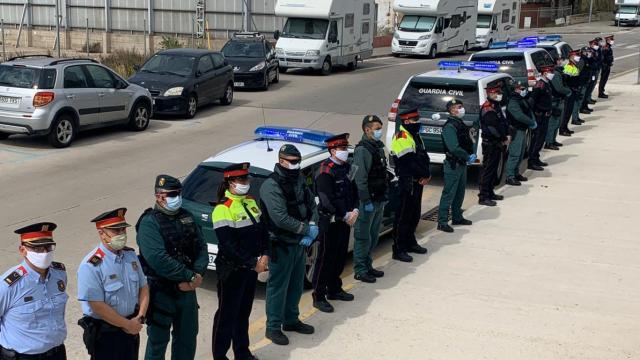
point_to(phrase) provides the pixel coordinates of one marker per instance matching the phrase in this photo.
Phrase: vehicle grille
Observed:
(154, 92)
(407, 43)
(295, 53)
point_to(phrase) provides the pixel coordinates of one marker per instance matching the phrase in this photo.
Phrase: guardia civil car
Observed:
(200, 187)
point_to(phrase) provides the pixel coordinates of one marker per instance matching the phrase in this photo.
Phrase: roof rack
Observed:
(29, 56)
(248, 35)
(56, 62)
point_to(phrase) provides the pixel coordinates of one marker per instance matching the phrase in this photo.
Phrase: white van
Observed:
(627, 12)
(429, 27)
(321, 34)
(497, 21)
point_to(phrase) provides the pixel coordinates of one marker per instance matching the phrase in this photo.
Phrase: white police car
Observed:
(430, 92)
(200, 187)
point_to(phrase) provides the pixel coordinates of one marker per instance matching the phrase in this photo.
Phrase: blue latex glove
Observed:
(368, 207)
(535, 125)
(306, 241)
(313, 232)
(472, 159)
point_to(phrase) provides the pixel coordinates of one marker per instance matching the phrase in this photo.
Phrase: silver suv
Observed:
(40, 95)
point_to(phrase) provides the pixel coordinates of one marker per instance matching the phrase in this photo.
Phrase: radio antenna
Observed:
(264, 123)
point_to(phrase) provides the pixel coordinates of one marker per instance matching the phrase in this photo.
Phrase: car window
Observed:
(47, 79)
(218, 61)
(101, 77)
(205, 65)
(431, 97)
(74, 78)
(552, 51)
(202, 184)
(267, 48)
(541, 58)
(566, 49)
(512, 64)
(252, 49)
(170, 64)
(18, 76)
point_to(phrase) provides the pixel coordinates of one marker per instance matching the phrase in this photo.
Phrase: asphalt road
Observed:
(110, 168)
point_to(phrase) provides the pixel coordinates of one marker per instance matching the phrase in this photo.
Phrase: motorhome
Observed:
(322, 34)
(627, 12)
(497, 21)
(429, 27)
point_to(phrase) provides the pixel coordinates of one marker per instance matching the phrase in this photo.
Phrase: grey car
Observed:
(58, 98)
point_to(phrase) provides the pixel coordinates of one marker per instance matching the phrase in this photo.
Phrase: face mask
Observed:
(377, 134)
(174, 203)
(611, 43)
(497, 97)
(595, 47)
(461, 113)
(40, 260)
(118, 242)
(601, 43)
(242, 189)
(589, 55)
(576, 59)
(294, 166)
(342, 155)
(412, 128)
(550, 76)
(524, 93)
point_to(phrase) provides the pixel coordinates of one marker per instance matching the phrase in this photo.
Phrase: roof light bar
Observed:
(294, 135)
(504, 45)
(468, 65)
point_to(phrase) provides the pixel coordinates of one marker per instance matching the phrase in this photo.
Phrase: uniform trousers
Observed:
(491, 156)
(516, 153)
(174, 316)
(554, 122)
(455, 182)
(333, 246)
(366, 233)
(115, 344)
(604, 77)
(539, 135)
(407, 216)
(285, 285)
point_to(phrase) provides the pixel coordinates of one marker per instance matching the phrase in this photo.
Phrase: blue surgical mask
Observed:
(524, 93)
(174, 203)
(377, 134)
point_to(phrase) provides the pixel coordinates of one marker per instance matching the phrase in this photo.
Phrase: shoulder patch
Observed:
(58, 266)
(401, 135)
(228, 203)
(16, 275)
(97, 257)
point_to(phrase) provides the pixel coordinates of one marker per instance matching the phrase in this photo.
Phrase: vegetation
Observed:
(123, 61)
(170, 42)
(94, 47)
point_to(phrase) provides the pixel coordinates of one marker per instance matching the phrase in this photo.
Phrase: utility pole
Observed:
(200, 19)
(590, 10)
(58, 27)
(246, 15)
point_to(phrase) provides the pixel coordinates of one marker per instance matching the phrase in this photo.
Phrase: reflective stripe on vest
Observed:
(233, 212)
(402, 143)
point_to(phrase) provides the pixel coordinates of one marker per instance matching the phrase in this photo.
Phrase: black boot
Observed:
(487, 202)
(535, 167)
(564, 133)
(557, 144)
(497, 197)
(445, 227)
(521, 178)
(366, 278)
(417, 249)
(376, 273)
(551, 147)
(341, 296)
(300, 328)
(592, 102)
(603, 96)
(277, 337)
(323, 305)
(462, 221)
(402, 256)
(513, 181)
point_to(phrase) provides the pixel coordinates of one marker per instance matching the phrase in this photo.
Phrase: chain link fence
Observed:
(544, 17)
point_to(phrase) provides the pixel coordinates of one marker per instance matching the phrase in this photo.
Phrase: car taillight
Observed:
(43, 98)
(393, 112)
(531, 76)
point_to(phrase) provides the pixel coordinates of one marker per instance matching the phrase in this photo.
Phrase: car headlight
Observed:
(396, 35)
(279, 51)
(176, 91)
(481, 36)
(425, 37)
(258, 67)
(313, 53)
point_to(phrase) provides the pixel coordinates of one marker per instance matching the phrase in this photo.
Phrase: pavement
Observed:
(551, 273)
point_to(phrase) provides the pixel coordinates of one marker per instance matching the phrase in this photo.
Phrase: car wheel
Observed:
(277, 78)
(465, 48)
(283, 70)
(353, 65)
(227, 98)
(139, 118)
(395, 55)
(265, 86)
(433, 52)
(3, 136)
(326, 67)
(489, 44)
(192, 107)
(63, 131)
(312, 255)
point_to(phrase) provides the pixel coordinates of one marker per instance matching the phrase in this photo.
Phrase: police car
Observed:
(430, 92)
(553, 44)
(200, 187)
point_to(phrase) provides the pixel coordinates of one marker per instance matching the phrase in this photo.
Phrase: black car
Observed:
(254, 61)
(181, 80)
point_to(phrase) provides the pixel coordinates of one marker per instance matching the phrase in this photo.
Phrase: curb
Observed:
(380, 55)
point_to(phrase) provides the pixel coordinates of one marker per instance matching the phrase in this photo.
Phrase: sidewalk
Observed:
(595, 27)
(551, 273)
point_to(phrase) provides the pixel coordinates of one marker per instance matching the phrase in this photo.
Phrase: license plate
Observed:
(238, 84)
(10, 101)
(434, 130)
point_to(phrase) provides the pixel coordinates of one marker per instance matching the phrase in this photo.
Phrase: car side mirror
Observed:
(122, 85)
(276, 34)
(494, 26)
(136, 67)
(198, 73)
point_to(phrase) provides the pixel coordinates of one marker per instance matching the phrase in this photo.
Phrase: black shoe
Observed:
(300, 328)
(487, 202)
(277, 337)
(564, 133)
(513, 181)
(603, 96)
(535, 167)
(417, 249)
(497, 197)
(462, 221)
(445, 228)
(366, 278)
(542, 163)
(323, 305)
(402, 256)
(592, 102)
(341, 296)
(581, 121)
(558, 144)
(573, 132)
(551, 147)
(585, 111)
(576, 123)
(521, 178)
(376, 273)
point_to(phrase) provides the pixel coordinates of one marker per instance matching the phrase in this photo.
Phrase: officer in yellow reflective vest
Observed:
(242, 249)
(412, 168)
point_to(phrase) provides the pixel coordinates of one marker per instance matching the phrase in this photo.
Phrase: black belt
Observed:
(10, 354)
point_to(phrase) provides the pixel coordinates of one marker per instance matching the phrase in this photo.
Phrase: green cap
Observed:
(369, 119)
(167, 182)
(452, 103)
(289, 151)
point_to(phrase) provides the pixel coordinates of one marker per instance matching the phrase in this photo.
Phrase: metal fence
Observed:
(544, 17)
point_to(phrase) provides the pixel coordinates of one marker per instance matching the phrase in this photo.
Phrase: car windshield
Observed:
(512, 64)
(19, 76)
(417, 23)
(552, 51)
(170, 64)
(484, 21)
(253, 49)
(305, 28)
(430, 97)
(627, 10)
(202, 185)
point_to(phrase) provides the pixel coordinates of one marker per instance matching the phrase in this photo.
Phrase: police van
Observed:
(553, 44)
(200, 186)
(430, 92)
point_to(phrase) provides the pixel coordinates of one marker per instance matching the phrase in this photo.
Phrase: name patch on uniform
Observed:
(134, 265)
(186, 220)
(113, 276)
(61, 285)
(28, 298)
(451, 92)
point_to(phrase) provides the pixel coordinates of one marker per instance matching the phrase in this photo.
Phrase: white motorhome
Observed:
(627, 12)
(429, 27)
(497, 21)
(321, 34)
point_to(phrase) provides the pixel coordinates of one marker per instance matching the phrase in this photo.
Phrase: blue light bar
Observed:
(295, 135)
(527, 44)
(530, 38)
(468, 65)
(503, 44)
(542, 38)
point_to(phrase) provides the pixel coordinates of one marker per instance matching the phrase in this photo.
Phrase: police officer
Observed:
(338, 212)
(596, 64)
(560, 94)
(607, 63)
(541, 98)
(412, 168)
(520, 116)
(495, 136)
(371, 179)
(458, 144)
(113, 292)
(591, 64)
(290, 208)
(571, 75)
(33, 299)
(174, 258)
(242, 248)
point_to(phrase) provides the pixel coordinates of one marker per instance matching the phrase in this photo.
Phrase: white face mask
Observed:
(461, 113)
(595, 47)
(497, 97)
(611, 43)
(242, 189)
(576, 59)
(342, 155)
(118, 242)
(40, 260)
(550, 76)
(293, 166)
(524, 93)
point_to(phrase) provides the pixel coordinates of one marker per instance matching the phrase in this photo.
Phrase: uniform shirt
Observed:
(542, 97)
(32, 309)
(336, 190)
(411, 157)
(115, 280)
(495, 127)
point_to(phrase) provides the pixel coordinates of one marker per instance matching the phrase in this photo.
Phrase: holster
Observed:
(91, 329)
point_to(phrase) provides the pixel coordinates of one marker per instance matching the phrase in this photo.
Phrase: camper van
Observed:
(497, 21)
(322, 34)
(429, 27)
(627, 12)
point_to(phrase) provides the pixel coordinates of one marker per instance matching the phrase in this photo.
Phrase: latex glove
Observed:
(534, 126)
(368, 207)
(472, 159)
(313, 231)
(306, 241)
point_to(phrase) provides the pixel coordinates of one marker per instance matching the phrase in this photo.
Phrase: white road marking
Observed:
(398, 64)
(632, 46)
(621, 44)
(625, 56)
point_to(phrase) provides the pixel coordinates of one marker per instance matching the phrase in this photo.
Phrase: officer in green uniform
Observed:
(520, 116)
(289, 207)
(174, 257)
(458, 145)
(560, 93)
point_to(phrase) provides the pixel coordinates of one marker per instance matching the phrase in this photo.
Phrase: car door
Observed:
(114, 102)
(206, 86)
(223, 74)
(333, 39)
(272, 61)
(80, 95)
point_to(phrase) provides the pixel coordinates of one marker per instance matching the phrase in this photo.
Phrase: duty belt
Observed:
(10, 354)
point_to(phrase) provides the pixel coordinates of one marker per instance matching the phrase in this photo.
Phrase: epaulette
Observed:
(540, 84)
(97, 257)
(401, 135)
(58, 266)
(325, 167)
(16, 275)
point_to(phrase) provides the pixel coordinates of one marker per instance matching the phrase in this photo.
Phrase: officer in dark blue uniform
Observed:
(338, 212)
(113, 292)
(33, 299)
(541, 98)
(607, 63)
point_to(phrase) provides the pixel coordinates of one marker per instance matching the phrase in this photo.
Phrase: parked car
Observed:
(182, 80)
(253, 59)
(40, 95)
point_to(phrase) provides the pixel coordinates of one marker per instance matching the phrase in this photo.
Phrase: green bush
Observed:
(123, 61)
(169, 42)
(94, 47)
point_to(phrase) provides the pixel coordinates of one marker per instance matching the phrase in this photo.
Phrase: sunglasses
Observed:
(293, 161)
(41, 248)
